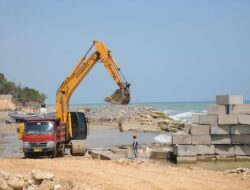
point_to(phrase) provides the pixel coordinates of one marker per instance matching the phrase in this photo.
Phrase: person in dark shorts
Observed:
(135, 146)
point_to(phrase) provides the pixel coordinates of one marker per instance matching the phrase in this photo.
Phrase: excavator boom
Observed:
(65, 91)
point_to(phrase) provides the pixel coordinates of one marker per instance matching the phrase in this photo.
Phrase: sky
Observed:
(182, 50)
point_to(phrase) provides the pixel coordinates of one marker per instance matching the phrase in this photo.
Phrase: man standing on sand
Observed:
(135, 146)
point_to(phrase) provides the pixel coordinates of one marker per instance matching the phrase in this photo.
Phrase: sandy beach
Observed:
(112, 175)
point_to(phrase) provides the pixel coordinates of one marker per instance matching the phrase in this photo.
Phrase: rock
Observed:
(46, 185)
(154, 119)
(242, 171)
(78, 188)
(39, 176)
(5, 175)
(3, 184)
(16, 183)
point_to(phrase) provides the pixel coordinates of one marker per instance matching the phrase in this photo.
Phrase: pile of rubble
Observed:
(36, 180)
(140, 118)
(222, 134)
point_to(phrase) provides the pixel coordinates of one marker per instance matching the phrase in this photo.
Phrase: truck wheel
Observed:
(26, 155)
(62, 151)
(54, 153)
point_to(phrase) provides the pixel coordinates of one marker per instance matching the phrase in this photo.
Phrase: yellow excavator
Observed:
(50, 135)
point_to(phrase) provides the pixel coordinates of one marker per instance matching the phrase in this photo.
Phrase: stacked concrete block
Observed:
(221, 134)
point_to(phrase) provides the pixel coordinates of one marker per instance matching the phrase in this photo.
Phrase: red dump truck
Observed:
(47, 136)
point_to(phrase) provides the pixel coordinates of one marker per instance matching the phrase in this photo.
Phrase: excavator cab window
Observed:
(79, 125)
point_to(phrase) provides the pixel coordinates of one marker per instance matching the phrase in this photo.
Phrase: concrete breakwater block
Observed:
(244, 119)
(181, 138)
(220, 139)
(216, 109)
(240, 129)
(205, 149)
(229, 99)
(242, 158)
(104, 155)
(224, 149)
(195, 118)
(206, 158)
(201, 139)
(158, 154)
(204, 119)
(241, 109)
(242, 150)
(184, 150)
(224, 158)
(185, 159)
(240, 139)
(220, 130)
(208, 119)
(200, 129)
(228, 119)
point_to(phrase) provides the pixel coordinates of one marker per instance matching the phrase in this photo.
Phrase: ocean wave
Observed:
(183, 116)
(169, 112)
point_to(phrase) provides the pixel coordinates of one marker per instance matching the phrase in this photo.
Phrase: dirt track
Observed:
(97, 174)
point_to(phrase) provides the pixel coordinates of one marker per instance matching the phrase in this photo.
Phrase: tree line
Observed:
(20, 94)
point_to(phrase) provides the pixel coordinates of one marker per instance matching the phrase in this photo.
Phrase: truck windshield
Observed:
(39, 127)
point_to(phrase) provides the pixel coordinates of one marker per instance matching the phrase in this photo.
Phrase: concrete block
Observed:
(158, 154)
(229, 99)
(208, 119)
(184, 150)
(228, 119)
(205, 149)
(242, 158)
(195, 118)
(181, 139)
(200, 129)
(224, 149)
(242, 150)
(240, 139)
(220, 139)
(185, 159)
(220, 130)
(225, 158)
(244, 119)
(241, 109)
(240, 129)
(187, 128)
(216, 109)
(206, 158)
(201, 139)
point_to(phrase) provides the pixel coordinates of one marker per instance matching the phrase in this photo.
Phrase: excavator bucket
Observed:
(120, 96)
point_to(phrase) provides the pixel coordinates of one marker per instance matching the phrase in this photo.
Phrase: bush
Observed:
(20, 95)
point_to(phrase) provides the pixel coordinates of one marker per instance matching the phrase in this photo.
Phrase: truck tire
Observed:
(54, 153)
(26, 155)
(62, 151)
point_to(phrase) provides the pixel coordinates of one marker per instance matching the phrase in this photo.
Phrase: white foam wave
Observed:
(183, 115)
(163, 138)
(168, 111)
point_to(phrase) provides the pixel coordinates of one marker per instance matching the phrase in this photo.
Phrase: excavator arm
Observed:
(65, 91)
